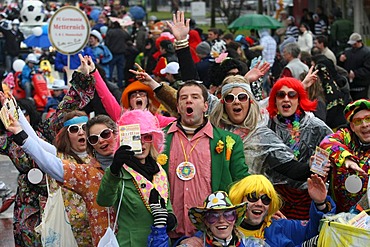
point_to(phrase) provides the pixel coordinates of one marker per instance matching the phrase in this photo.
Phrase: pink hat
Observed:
(148, 124)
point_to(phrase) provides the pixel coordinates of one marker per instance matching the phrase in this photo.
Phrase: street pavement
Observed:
(8, 174)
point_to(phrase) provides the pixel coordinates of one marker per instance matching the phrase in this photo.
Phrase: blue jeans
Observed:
(118, 61)
(27, 86)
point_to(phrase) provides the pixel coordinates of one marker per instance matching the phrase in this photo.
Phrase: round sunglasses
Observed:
(75, 128)
(282, 94)
(105, 134)
(214, 216)
(264, 198)
(230, 98)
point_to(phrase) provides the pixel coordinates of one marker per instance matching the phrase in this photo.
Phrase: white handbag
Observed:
(55, 228)
(109, 239)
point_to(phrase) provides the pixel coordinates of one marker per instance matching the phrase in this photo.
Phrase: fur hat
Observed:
(97, 35)
(148, 124)
(356, 106)
(137, 86)
(218, 200)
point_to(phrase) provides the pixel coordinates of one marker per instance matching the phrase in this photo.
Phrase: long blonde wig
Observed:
(219, 117)
(260, 185)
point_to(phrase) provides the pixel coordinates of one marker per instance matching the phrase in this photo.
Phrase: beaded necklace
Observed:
(141, 195)
(294, 133)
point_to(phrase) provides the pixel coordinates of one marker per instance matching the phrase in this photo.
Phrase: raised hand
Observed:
(310, 78)
(90, 63)
(257, 72)
(144, 77)
(179, 27)
(84, 67)
(123, 155)
(316, 188)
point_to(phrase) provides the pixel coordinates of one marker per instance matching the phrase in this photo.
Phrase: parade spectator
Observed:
(295, 67)
(357, 63)
(292, 29)
(28, 71)
(58, 94)
(12, 46)
(115, 40)
(321, 42)
(349, 154)
(320, 27)
(340, 31)
(172, 74)
(292, 119)
(141, 35)
(213, 36)
(269, 46)
(305, 38)
(206, 61)
(136, 170)
(332, 83)
(101, 52)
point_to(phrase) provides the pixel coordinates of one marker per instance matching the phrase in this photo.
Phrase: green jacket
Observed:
(134, 219)
(224, 172)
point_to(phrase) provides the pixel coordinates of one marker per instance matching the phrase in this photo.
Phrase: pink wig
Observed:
(303, 102)
(148, 124)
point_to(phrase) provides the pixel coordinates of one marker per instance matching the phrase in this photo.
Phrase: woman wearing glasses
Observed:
(71, 142)
(263, 202)
(292, 119)
(142, 176)
(217, 221)
(265, 153)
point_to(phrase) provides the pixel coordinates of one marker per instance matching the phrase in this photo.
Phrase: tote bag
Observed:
(55, 228)
(109, 239)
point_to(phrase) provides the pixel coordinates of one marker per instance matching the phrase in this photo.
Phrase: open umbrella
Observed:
(39, 38)
(254, 21)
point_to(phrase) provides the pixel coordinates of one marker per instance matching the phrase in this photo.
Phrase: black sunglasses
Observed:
(264, 198)
(104, 134)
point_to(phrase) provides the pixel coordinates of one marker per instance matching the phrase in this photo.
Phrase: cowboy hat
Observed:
(218, 200)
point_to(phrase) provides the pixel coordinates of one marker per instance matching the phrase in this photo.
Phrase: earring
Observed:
(222, 101)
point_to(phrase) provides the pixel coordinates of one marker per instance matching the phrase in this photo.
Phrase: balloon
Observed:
(37, 31)
(18, 65)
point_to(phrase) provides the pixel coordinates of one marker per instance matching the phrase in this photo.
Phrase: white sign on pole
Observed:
(198, 10)
(69, 30)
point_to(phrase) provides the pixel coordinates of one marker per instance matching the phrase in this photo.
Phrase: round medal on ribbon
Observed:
(185, 171)
(353, 184)
(35, 175)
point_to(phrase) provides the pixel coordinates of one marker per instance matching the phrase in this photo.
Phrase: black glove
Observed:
(122, 156)
(158, 207)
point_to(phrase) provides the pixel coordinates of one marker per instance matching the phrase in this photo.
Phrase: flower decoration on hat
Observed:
(229, 146)
(162, 159)
(220, 146)
(216, 200)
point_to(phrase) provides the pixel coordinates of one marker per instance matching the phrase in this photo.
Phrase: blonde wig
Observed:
(260, 185)
(219, 117)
